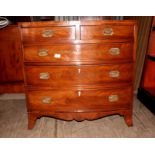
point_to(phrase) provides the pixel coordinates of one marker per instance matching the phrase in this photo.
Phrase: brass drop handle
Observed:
(108, 32)
(47, 33)
(47, 100)
(42, 53)
(113, 98)
(114, 51)
(114, 73)
(44, 76)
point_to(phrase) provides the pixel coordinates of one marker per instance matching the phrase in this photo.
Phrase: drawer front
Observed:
(78, 53)
(47, 33)
(60, 76)
(80, 100)
(106, 31)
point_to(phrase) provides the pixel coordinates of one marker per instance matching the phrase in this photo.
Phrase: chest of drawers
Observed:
(78, 70)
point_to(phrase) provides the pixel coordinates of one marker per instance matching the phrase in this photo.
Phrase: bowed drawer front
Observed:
(78, 53)
(79, 70)
(78, 75)
(84, 100)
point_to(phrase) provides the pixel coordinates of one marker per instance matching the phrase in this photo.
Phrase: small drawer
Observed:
(60, 76)
(80, 100)
(48, 34)
(106, 31)
(78, 53)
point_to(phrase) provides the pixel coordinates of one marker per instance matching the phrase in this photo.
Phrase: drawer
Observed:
(80, 100)
(78, 52)
(60, 76)
(106, 31)
(48, 33)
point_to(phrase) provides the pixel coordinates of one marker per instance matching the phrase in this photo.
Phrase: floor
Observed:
(13, 123)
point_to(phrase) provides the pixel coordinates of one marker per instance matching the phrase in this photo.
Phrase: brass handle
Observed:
(114, 73)
(113, 98)
(108, 32)
(47, 100)
(44, 76)
(47, 33)
(42, 53)
(114, 51)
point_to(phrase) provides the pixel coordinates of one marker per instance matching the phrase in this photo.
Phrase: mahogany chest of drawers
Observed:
(79, 70)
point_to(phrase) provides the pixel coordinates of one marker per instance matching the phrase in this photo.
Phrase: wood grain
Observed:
(97, 32)
(58, 33)
(11, 76)
(79, 100)
(60, 76)
(78, 52)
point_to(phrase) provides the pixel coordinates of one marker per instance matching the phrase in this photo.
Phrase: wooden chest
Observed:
(79, 70)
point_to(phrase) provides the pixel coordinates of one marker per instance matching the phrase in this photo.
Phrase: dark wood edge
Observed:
(78, 63)
(151, 57)
(82, 87)
(153, 28)
(66, 41)
(147, 99)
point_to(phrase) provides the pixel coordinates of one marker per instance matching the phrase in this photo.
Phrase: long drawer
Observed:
(55, 76)
(78, 53)
(80, 100)
(44, 34)
(106, 32)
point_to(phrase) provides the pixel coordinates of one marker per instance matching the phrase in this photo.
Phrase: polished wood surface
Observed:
(80, 100)
(39, 34)
(60, 76)
(79, 70)
(98, 32)
(78, 52)
(11, 76)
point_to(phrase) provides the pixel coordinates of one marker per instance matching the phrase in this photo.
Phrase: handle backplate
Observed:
(42, 53)
(47, 100)
(114, 51)
(44, 76)
(114, 73)
(108, 32)
(47, 33)
(113, 98)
